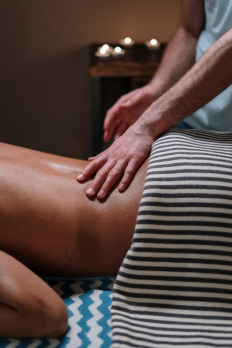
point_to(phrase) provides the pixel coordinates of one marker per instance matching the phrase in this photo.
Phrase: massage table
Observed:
(88, 302)
(174, 287)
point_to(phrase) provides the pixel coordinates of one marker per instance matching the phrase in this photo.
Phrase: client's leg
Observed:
(28, 306)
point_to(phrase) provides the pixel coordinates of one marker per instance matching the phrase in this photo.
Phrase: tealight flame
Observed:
(117, 49)
(105, 47)
(153, 42)
(127, 40)
(102, 50)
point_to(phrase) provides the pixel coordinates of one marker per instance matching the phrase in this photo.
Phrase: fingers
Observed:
(106, 179)
(116, 120)
(91, 168)
(113, 111)
(122, 158)
(127, 109)
(129, 173)
(120, 130)
(109, 174)
(101, 154)
(99, 180)
(134, 100)
(113, 116)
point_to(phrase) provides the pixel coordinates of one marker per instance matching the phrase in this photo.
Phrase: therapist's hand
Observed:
(127, 110)
(120, 160)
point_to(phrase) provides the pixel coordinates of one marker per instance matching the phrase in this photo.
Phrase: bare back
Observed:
(48, 223)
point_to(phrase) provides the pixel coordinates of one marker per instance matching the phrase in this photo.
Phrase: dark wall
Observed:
(44, 78)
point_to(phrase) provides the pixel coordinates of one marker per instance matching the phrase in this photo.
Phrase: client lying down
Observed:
(49, 226)
(174, 285)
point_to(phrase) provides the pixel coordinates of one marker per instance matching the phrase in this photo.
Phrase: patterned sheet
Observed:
(88, 301)
(174, 288)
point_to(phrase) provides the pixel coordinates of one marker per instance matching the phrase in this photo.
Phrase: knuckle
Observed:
(129, 171)
(136, 156)
(91, 164)
(101, 172)
(121, 107)
(144, 94)
(113, 172)
(95, 184)
(113, 155)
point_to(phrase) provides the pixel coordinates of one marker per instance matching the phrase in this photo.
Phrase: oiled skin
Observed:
(48, 223)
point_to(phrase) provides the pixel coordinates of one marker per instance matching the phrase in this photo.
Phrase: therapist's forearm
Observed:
(179, 57)
(207, 78)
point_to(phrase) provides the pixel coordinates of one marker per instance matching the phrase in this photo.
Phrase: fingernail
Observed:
(101, 194)
(90, 191)
(80, 176)
(121, 186)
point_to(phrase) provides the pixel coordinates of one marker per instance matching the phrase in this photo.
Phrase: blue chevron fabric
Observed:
(88, 301)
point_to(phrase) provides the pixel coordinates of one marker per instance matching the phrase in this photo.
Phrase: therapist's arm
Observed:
(207, 78)
(178, 57)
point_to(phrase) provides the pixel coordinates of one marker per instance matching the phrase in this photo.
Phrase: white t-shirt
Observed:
(217, 114)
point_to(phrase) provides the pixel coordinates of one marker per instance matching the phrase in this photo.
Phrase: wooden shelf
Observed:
(113, 77)
(138, 61)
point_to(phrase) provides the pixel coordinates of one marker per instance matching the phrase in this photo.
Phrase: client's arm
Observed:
(28, 306)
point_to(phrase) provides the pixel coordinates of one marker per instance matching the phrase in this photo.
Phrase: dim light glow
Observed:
(117, 49)
(105, 47)
(153, 42)
(102, 51)
(127, 40)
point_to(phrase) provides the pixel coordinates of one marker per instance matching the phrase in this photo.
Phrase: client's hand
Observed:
(121, 159)
(127, 110)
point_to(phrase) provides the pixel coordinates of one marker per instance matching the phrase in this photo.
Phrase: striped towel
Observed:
(174, 288)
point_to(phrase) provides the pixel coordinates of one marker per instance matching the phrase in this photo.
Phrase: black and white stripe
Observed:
(174, 288)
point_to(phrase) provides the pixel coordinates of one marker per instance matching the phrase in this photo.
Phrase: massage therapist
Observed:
(193, 83)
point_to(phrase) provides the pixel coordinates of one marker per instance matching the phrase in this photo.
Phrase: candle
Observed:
(153, 44)
(102, 53)
(127, 42)
(106, 48)
(118, 52)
